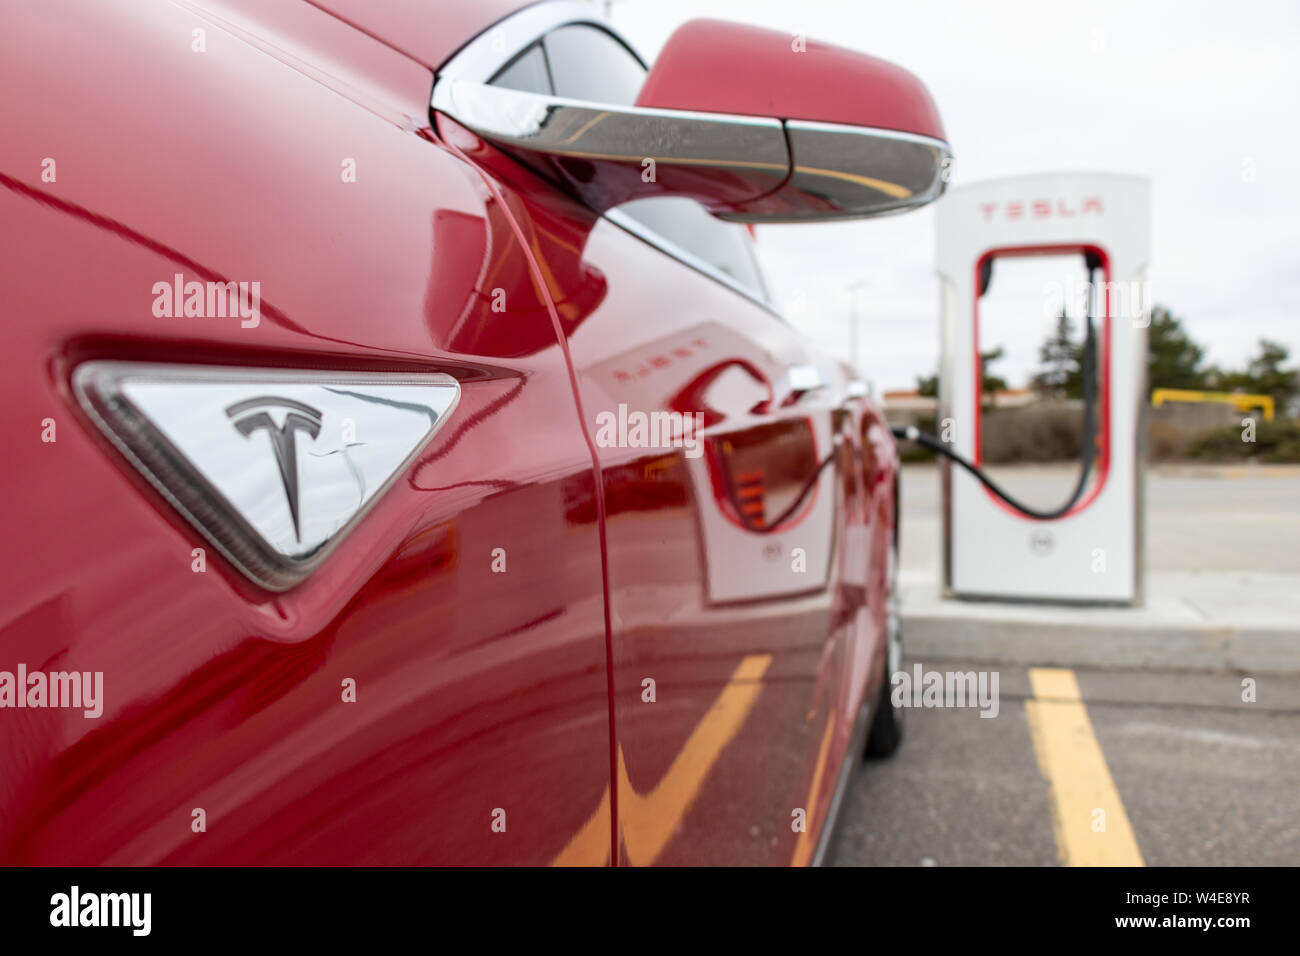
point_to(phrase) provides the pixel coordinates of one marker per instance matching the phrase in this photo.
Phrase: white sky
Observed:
(1189, 95)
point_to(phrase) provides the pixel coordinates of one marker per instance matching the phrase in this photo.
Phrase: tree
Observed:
(1173, 359)
(928, 385)
(1061, 356)
(1264, 375)
(991, 384)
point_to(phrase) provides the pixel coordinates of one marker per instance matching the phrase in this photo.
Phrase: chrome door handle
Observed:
(802, 379)
(857, 388)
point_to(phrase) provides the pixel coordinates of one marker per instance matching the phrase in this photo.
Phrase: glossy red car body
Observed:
(500, 717)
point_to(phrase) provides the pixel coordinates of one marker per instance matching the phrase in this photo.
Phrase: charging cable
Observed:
(912, 433)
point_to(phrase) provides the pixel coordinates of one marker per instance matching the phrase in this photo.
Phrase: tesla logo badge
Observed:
(254, 414)
(199, 433)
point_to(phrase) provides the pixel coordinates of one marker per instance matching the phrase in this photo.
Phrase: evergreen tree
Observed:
(1264, 375)
(1061, 358)
(1173, 359)
(928, 385)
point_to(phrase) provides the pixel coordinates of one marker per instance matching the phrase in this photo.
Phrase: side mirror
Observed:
(754, 126)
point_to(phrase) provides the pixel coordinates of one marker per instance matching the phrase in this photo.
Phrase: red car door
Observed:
(729, 632)
(436, 690)
(739, 634)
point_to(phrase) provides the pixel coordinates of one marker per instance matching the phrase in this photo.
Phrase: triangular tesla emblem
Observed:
(272, 466)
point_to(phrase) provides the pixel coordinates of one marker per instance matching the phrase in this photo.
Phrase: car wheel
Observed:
(887, 726)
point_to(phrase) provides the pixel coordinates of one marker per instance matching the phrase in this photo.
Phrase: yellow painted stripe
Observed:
(648, 821)
(1071, 760)
(590, 845)
(803, 845)
(893, 190)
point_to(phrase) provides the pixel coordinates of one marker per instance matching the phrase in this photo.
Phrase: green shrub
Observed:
(1275, 441)
(1042, 432)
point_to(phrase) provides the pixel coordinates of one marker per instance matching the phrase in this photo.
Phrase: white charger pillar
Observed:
(1093, 553)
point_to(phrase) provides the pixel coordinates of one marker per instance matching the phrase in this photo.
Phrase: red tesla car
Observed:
(404, 461)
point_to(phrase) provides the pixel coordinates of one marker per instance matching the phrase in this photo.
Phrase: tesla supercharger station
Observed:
(1092, 554)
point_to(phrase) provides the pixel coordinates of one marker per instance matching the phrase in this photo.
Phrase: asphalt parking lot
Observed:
(1185, 771)
(1203, 778)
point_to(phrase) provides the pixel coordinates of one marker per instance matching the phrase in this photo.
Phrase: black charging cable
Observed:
(1089, 451)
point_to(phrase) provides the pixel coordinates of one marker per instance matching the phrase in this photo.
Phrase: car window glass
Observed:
(526, 72)
(724, 245)
(589, 64)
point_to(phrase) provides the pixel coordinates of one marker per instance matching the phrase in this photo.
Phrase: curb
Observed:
(1171, 633)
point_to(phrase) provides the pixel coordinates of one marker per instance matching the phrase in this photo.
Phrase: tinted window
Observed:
(589, 64)
(724, 245)
(526, 73)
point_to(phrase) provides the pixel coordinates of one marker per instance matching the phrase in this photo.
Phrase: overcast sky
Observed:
(1198, 97)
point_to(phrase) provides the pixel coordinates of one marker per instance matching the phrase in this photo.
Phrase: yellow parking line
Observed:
(648, 821)
(1088, 818)
(803, 847)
